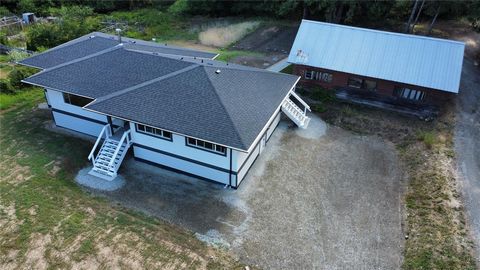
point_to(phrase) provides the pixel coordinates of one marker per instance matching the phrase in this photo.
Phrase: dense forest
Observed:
(338, 11)
(85, 16)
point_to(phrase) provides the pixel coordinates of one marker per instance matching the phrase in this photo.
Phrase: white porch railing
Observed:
(107, 132)
(297, 115)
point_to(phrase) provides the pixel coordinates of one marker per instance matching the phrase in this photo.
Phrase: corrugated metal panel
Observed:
(417, 60)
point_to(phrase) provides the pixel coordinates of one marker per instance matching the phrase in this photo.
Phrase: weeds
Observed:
(429, 138)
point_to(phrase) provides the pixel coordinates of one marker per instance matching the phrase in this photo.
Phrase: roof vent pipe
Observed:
(217, 71)
(119, 31)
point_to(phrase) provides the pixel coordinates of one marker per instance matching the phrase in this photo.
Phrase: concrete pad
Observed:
(96, 183)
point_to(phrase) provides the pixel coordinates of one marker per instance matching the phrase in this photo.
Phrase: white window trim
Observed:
(215, 146)
(154, 132)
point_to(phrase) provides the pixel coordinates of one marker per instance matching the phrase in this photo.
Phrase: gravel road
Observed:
(467, 144)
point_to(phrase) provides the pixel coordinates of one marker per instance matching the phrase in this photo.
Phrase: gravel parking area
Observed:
(323, 202)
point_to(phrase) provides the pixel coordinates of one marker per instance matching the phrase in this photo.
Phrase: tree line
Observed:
(336, 11)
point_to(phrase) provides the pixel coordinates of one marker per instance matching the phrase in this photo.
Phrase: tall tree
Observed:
(418, 16)
(412, 15)
(434, 19)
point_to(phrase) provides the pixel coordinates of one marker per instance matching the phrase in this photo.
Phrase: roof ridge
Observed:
(135, 41)
(223, 106)
(385, 32)
(131, 88)
(114, 48)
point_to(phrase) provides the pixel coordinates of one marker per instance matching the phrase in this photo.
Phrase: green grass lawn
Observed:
(227, 55)
(46, 219)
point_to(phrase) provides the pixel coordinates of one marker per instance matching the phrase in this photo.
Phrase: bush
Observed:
(16, 56)
(429, 138)
(179, 7)
(320, 108)
(322, 94)
(5, 86)
(75, 21)
(17, 75)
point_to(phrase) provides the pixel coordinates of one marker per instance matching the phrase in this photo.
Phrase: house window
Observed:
(319, 76)
(410, 94)
(355, 82)
(218, 149)
(360, 83)
(76, 100)
(154, 132)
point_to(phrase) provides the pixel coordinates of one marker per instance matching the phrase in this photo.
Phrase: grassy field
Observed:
(436, 235)
(47, 221)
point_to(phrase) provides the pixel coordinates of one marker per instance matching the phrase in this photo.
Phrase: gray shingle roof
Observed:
(106, 73)
(96, 42)
(184, 96)
(229, 108)
(68, 53)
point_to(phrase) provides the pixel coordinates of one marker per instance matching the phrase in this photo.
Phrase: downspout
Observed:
(230, 174)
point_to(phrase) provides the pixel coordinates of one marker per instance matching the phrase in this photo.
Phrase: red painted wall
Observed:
(384, 87)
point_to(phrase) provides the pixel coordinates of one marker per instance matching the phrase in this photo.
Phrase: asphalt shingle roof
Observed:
(186, 96)
(106, 73)
(68, 53)
(228, 108)
(96, 42)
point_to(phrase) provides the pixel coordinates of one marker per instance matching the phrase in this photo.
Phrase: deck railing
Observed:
(107, 132)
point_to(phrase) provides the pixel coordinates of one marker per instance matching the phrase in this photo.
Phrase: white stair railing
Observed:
(297, 115)
(125, 139)
(107, 132)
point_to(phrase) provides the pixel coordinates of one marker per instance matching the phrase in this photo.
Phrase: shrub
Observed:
(17, 75)
(5, 86)
(348, 111)
(75, 21)
(179, 7)
(16, 56)
(322, 94)
(320, 108)
(429, 138)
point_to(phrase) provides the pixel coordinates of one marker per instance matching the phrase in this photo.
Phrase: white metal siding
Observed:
(240, 160)
(77, 124)
(417, 60)
(178, 149)
(76, 121)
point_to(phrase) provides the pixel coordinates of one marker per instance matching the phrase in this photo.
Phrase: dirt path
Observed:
(467, 144)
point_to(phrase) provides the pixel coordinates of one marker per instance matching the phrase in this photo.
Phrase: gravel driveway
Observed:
(467, 144)
(332, 202)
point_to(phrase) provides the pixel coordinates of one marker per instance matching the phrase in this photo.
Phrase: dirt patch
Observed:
(456, 30)
(269, 39)
(36, 253)
(261, 61)
(222, 36)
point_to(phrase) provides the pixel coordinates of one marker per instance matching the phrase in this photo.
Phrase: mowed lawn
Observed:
(47, 221)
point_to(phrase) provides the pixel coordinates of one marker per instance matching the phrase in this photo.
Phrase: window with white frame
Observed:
(319, 76)
(154, 132)
(410, 94)
(76, 100)
(218, 149)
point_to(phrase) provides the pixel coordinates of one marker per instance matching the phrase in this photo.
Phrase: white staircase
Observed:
(297, 115)
(111, 154)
